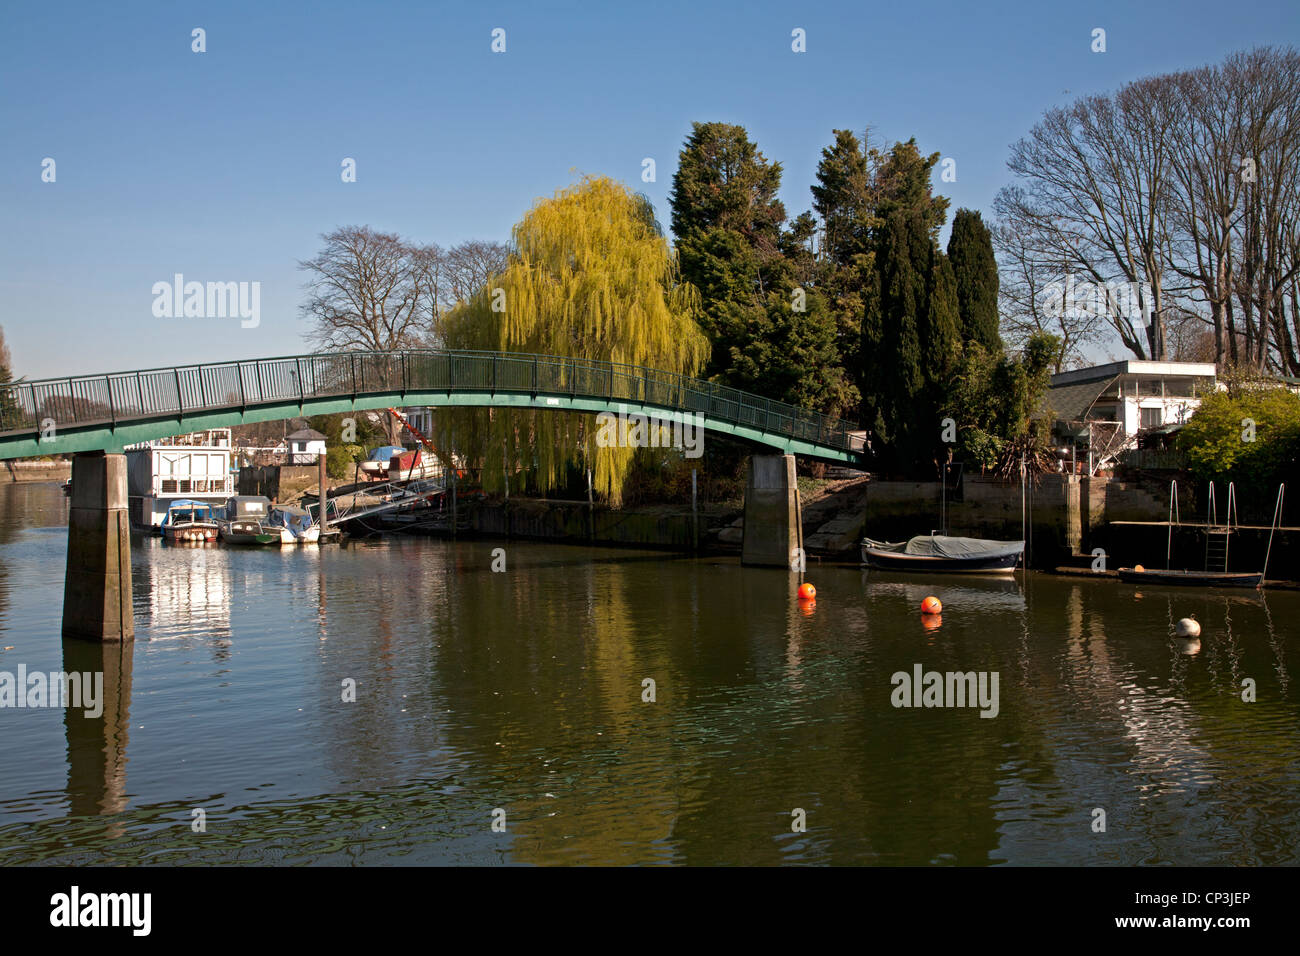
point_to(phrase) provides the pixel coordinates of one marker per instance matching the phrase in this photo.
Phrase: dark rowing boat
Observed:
(936, 553)
(1205, 579)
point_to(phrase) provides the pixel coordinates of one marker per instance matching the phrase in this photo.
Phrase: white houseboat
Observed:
(196, 467)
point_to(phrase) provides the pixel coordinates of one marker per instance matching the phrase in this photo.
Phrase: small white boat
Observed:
(296, 525)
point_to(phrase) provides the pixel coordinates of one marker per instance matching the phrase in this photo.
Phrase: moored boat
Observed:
(413, 464)
(245, 521)
(189, 521)
(295, 525)
(940, 553)
(375, 467)
(1205, 579)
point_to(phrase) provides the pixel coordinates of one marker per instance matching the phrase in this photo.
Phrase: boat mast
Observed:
(1173, 516)
(1277, 520)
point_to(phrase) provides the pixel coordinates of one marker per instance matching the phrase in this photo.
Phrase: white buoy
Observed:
(1189, 627)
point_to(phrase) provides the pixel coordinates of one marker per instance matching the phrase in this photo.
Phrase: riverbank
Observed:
(1066, 523)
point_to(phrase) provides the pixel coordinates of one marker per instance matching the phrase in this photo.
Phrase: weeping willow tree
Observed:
(590, 275)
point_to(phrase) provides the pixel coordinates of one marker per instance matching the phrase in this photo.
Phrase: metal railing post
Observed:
(139, 391)
(180, 402)
(302, 388)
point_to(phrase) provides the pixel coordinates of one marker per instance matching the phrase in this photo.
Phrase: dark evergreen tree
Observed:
(842, 198)
(771, 332)
(902, 260)
(970, 248)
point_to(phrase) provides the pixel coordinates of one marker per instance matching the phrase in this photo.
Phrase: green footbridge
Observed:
(96, 417)
(107, 413)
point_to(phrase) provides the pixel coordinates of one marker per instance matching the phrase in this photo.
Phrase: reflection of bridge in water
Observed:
(97, 416)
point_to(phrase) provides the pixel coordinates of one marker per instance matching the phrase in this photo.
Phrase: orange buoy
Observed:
(1138, 568)
(932, 605)
(807, 592)
(932, 622)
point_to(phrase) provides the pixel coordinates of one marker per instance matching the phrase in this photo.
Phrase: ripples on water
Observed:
(523, 691)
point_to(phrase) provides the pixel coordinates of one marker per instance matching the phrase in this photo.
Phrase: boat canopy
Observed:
(942, 546)
(244, 506)
(295, 519)
(386, 452)
(199, 510)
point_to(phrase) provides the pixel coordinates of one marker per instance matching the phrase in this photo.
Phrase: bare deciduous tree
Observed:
(365, 291)
(1095, 177)
(1185, 185)
(1027, 270)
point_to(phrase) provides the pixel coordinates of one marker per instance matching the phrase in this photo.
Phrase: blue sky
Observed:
(225, 165)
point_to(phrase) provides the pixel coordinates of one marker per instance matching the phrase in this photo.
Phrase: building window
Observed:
(1151, 417)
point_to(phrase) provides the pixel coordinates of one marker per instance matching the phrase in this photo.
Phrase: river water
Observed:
(520, 698)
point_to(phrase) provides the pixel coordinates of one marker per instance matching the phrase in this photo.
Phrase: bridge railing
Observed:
(89, 400)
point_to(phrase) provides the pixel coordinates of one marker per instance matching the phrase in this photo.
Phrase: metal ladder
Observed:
(1218, 536)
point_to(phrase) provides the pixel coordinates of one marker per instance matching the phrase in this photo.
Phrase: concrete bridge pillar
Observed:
(773, 517)
(97, 584)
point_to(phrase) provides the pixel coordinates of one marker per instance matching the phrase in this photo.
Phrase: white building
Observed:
(305, 446)
(196, 466)
(1103, 410)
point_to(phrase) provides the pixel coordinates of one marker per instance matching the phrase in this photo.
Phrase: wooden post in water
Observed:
(321, 520)
(591, 510)
(695, 516)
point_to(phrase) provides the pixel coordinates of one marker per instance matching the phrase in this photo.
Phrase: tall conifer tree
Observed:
(970, 248)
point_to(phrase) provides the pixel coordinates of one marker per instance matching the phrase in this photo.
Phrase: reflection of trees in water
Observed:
(567, 747)
(379, 593)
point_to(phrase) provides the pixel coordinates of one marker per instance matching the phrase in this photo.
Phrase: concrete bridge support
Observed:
(773, 516)
(97, 584)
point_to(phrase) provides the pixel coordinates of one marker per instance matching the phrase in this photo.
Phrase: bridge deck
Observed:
(108, 412)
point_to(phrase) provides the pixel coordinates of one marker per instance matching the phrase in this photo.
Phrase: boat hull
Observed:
(1204, 579)
(893, 561)
(190, 533)
(249, 533)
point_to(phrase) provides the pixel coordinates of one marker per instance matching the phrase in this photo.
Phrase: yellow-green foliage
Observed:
(1252, 437)
(589, 276)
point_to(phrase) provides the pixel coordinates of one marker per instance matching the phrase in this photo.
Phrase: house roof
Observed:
(306, 434)
(1133, 367)
(1070, 403)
